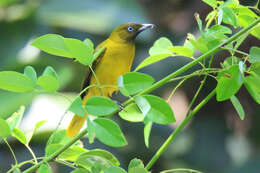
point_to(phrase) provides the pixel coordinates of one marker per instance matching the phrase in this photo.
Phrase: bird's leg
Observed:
(119, 104)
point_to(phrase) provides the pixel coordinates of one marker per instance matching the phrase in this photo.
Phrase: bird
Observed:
(116, 59)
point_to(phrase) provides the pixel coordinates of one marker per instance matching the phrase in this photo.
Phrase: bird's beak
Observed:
(145, 26)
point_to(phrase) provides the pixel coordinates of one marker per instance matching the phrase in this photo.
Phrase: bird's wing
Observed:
(94, 64)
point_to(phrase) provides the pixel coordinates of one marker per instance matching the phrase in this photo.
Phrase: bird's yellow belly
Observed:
(117, 60)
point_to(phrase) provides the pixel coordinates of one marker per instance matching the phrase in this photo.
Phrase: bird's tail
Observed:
(75, 125)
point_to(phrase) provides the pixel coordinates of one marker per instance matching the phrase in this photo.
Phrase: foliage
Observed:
(215, 35)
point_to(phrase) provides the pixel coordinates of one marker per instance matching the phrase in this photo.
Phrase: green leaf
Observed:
(252, 83)
(131, 113)
(52, 148)
(134, 82)
(90, 44)
(72, 153)
(101, 106)
(31, 133)
(155, 109)
(152, 59)
(15, 82)
(15, 119)
(135, 163)
(229, 16)
(220, 29)
(161, 46)
(147, 132)
(91, 130)
(114, 169)
(238, 107)
(44, 168)
(245, 20)
(79, 50)
(230, 61)
(138, 170)
(242, 10)
(90, 161)
(198, 44)
(80, 170)
(103, 154)
(181, 51)
(254, 54)
(212, 3)
(255, 67)
(4, 128)
(58, 137)
(229, 82)
(48, 83)
(31, 73)
(210, 17)
(109, 133)
(19, 135)
(76, 107)
(50, 71)
(52, 44)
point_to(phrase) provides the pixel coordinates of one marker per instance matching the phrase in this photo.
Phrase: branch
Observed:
(153, 87)
(178, 129)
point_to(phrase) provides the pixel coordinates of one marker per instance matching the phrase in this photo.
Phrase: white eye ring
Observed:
(130, 28)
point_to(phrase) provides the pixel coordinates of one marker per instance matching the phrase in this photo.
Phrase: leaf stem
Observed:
(178, 129)
(32, 153)
(196, 61)
(12, 151)
(57, 152)
(153, 87)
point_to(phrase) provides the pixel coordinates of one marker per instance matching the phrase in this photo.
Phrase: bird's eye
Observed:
(130, 28)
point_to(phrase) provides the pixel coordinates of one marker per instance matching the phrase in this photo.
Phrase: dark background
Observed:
(216, 141)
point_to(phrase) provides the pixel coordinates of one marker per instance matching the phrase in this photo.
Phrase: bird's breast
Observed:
(117, 60)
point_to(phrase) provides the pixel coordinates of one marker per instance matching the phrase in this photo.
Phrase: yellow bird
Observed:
(115, 60)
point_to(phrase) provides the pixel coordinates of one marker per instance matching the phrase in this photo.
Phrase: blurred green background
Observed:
(216, 141)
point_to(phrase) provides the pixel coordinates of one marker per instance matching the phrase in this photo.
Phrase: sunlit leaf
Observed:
(131, 113)
(254, 54)
(31, 73)
(134, 82)
(160, 46)
(52, 44)
(19, 135)
(79, 50)
(4, 128)
(135, 163)
(147, 131)
(238, 107)
(15, 82)
(155, 109)
(103, 154)
(181, 51)
(44, 168)
(101, 106)
(80, 170)
(15, 119)
(109, 133)
(91, 130)
(229, 82)
(252, 83)
(76, 107)
(72, 153)
(48, 83)
(229, 16)
(114, 169)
